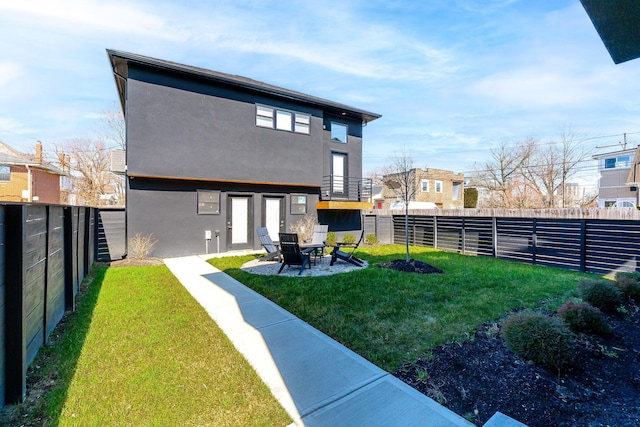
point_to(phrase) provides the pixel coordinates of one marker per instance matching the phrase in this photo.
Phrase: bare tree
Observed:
(112, 128)
(400, 177)
(549, 167)
(502, 173)
(88, 162)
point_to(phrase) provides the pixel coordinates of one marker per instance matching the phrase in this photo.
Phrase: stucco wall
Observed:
(188, 129)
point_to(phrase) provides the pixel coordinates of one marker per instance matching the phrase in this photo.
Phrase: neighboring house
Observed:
(25, 178)
(210, 157)
(442, 187)
(617, 185)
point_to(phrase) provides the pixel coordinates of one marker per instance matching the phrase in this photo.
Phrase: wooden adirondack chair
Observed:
(273, 253)
(338, 253)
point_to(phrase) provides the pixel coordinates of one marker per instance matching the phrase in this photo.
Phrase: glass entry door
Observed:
(239, 223)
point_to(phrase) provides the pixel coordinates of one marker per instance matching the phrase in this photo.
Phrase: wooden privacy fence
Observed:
(45, 252)
(600, 246)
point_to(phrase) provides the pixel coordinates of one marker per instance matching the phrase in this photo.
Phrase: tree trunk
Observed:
(406, 231)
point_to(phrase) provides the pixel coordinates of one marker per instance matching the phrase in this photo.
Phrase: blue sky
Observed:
(451, 78)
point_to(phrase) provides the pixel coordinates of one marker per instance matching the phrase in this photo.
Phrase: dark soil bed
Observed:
(480, 376)
(412, 266)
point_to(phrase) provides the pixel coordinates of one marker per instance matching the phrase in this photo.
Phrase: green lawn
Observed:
(141, 351)
(390, 317)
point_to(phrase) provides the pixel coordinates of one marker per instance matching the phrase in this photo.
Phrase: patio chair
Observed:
(319, 239)
(288, 237)
(345, 256)
(292, 255)
(273, 253)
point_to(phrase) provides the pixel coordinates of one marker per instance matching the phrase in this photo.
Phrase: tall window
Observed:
(438, 185)
(5, 173)
(290, 121)
(424, 185)
(455, 193)
(338, 132)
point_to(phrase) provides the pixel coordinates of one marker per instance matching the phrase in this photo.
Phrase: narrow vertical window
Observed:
(438, 185)
(424, 185)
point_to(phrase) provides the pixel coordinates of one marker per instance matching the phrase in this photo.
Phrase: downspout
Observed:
(29, 189)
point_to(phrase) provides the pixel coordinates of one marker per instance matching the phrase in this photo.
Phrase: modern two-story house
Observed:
(211, 156)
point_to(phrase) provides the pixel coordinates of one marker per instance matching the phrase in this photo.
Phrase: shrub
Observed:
(600, 293)
(583, 317)
(370, 239)
(470, 197)
(348, 239)
(542, 339)
(332, 239)
(304, 228)
(629, 284)
(141, 247)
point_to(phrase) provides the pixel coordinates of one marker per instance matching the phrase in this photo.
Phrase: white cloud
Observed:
(9, 71)
(76, 16)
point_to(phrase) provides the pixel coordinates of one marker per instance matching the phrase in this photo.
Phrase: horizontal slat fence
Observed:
(45, 252)
(586, 242)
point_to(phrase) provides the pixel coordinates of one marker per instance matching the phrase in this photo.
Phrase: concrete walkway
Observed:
(318, 381)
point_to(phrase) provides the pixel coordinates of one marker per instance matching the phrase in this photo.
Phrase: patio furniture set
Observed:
(291, 252)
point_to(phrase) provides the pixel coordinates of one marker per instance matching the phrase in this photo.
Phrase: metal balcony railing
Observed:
(346, 188)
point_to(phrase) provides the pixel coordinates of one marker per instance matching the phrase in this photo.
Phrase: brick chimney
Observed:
(38, 158)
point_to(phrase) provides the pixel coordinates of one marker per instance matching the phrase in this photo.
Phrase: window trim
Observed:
(436, 182)
(201, 205)
(422, 186)
(297, 203)
(283, 119)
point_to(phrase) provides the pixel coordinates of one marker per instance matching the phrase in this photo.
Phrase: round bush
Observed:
(332, 239)
(542, 339)
(349, 239)
(370, 239)
(600, 293)
(583, 317)
(629, 284)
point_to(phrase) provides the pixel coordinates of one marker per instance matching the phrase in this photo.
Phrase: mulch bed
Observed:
(480, 376)
(412, 266)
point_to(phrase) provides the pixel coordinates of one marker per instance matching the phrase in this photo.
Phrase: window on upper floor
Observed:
(5, 173)
(438, 185)
(290, 121)
(617, 162)
(424, 185)
(338, 132)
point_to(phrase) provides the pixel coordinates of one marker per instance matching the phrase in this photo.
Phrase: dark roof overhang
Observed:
(120, 64)
(618, 24)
